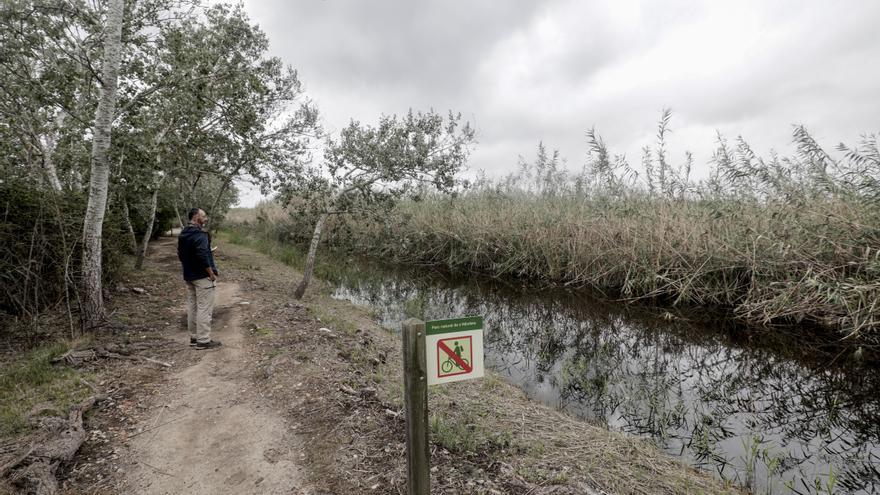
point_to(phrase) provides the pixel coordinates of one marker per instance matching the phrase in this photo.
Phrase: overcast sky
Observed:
(525, 72)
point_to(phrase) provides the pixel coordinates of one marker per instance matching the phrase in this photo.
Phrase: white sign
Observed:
(454, 349)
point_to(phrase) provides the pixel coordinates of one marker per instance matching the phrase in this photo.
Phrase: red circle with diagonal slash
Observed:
(441, 346)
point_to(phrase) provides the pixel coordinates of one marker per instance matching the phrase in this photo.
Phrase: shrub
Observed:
(41, 248)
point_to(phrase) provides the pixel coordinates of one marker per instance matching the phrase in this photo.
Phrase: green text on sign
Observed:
(437, 327)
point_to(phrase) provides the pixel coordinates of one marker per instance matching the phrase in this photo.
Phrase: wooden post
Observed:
(415, 393)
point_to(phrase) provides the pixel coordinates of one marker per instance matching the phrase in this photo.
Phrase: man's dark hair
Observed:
(192, 212)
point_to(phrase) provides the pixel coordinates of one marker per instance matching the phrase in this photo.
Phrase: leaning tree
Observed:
(369, 168)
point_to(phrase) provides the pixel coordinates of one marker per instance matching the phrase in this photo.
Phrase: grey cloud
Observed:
(431, 46)
(528, 71)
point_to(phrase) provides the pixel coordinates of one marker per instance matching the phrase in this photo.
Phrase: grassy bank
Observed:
(31, 386)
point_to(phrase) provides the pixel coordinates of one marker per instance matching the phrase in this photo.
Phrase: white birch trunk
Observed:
(48, 151)
(49, 170)
(93, 314)
(310, 259)
(217, 202)
(126, 217)
(142, 252)
(145, 243)
(179, 218)
(154, 202)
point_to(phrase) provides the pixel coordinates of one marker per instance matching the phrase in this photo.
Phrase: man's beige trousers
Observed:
(199, 308)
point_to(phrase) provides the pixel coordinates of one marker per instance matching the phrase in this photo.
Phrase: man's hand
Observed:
(211, 275)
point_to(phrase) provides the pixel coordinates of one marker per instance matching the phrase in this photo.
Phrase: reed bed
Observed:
(778, 241)
(769, 263)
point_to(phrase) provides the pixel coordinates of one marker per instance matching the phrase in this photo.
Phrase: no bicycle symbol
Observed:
(454, 356)
(454, 349)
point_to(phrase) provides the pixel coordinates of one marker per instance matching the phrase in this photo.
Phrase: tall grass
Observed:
(776, 240)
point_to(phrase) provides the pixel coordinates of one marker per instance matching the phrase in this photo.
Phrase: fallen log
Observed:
(77, 357)
(133, 357)
(34, 472)
(16, 460)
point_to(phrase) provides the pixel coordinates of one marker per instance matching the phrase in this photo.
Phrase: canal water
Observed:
(758, 408)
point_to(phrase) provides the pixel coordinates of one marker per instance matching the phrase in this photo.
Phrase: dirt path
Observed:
(213, 434)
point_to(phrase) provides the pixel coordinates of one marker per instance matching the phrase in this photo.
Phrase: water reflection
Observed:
(749, 408)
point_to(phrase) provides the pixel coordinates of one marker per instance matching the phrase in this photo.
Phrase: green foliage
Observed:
(262, 332)
(368, 168)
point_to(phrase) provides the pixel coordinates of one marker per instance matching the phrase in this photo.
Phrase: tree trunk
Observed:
(192, 191)
(48, 150)
(49, 164)
(217, 201)
(142, 253)
(93, 299)
(126, 219)
(179, 218)
(310, 260)
(223, 189)
(154, 202)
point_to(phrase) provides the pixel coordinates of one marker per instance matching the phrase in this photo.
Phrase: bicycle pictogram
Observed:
(455, 356)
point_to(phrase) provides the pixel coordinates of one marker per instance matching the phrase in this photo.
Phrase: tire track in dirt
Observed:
(212, 434)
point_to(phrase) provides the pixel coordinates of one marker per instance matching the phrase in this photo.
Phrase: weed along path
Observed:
(209, 435)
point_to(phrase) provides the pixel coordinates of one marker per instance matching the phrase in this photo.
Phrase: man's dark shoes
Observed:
(192, 341)
(211, 344)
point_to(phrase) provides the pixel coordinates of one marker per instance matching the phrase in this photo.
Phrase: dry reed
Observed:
(784, 240)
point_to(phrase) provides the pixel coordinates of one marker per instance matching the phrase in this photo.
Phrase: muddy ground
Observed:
(304, 397)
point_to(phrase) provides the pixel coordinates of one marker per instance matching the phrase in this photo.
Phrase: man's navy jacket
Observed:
(194, 251)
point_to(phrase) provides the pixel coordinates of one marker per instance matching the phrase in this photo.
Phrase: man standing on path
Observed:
(200, 273)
